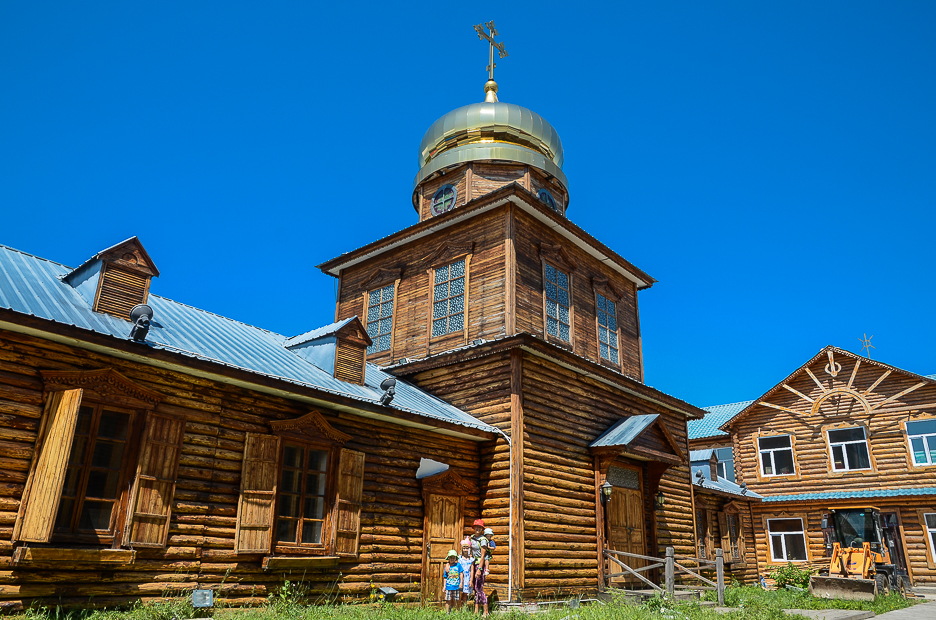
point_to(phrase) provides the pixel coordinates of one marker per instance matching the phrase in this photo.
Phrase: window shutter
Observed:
(350, 490)
(725, 535)
(349, 362)
(710, 535)
(120, 290)
(155, 482)
(39, 505)
(258, 494)
(740, 537)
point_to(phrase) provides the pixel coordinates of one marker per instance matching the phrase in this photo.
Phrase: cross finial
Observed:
(866, 344)
(491, 87)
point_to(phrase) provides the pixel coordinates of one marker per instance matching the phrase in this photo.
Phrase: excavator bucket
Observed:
(849, 588)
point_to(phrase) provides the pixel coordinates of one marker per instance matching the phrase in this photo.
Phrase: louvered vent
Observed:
(349, 362)
(120, 290)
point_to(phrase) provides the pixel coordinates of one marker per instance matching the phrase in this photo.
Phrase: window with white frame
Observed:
(922, 436)
(776, 455)
(725, 458)
(849, 449)
(380, 318)
(787, 540)
(930, 519)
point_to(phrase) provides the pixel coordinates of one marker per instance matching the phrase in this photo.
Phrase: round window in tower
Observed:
(547, 198)
(444, 199)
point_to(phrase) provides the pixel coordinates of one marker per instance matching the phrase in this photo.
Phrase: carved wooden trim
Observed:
(448, 253)
(447, 482)
(381, 277)
(311, 424)
(603, 285)
(105, 381)
(130, 255)
(557, 255)
(355, 332)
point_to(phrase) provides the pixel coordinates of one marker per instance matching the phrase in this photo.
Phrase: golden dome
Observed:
(491, 130)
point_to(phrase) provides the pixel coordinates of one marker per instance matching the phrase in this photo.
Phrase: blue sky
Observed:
(773, 166)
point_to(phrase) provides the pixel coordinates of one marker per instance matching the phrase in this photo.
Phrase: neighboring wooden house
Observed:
(208, 453)
(497, 303)
(841, 431)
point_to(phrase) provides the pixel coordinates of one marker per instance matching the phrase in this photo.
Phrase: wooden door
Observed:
(444, 528)
(626, 530)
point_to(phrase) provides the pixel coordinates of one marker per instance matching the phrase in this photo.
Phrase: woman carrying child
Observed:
(479, 547)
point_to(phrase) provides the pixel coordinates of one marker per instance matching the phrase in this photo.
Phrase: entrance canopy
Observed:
(642, 437)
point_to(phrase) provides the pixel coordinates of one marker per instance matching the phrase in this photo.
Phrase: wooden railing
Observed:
(671, 566)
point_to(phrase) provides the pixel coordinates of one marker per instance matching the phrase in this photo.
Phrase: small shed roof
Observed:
(855, 494)
(716, 416)
(702, 477)
(625, 431)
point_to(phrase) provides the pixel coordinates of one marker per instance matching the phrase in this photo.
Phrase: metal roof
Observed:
(716, 416)
(858, 493)
(700, 463)
(321, 332)
(625, 431)
(33, 286)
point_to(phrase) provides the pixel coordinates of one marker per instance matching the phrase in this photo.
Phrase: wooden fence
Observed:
(671, 567)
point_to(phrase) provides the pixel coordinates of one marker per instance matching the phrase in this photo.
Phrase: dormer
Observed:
(116, 279)
(338, 348)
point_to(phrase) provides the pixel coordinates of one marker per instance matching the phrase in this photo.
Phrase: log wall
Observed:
(744, 571)
(200, 549)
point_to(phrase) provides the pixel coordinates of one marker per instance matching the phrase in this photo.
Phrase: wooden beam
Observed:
(896, 396)
(876, 383)
(780, 407)
(813, 377)
(798, 393)
(510, 274)
(517, 555)
(854, 372)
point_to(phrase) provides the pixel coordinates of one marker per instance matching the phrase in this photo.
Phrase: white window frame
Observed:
(929, 439)
(930, 533)
(842, 444)
(722, 467)
(770, 451)
(782, 535)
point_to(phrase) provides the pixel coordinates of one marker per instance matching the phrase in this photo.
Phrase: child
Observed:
(467, 563)
(454, 576)
(491, 546)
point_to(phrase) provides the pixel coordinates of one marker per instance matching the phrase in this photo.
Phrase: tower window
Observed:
(380, 318)
(558, 323)
(547, 198)
(607, 329)
(448, 299)
(444, 199)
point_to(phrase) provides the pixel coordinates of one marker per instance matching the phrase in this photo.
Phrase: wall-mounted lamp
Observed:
(659, 501)
(744, 489)
(605, 489)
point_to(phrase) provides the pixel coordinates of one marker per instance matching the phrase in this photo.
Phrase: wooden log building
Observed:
(144, 458)
(841, 431)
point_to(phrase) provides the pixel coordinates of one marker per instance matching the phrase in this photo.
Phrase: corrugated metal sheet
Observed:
(34, 286)
(719, 484)
(800, 497)
(625, 431)
(716, 416)
(700, 455)
(321, 332)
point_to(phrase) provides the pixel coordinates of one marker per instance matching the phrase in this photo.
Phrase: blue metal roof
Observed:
(625, 430)
(34, 286)
(716, 416)
(320, 332)
(857, 493)
(702, 477)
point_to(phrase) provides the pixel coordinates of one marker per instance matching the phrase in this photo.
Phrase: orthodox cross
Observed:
(866, 344)
(490, 39)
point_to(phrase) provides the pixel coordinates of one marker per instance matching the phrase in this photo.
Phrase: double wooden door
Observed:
(444, 526)
(626, 530)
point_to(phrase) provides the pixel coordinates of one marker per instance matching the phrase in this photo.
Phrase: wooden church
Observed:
(484, 362)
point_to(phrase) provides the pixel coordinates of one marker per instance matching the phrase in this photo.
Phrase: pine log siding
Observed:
(530, 236)
(485, 282)
(200, 546)
(789, 410)
(745, 570)
(559, 413)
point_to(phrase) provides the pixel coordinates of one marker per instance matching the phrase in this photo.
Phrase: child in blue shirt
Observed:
(454, 575)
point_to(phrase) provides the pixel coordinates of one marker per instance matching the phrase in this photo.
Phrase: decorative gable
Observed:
(116, 279)
(643, 437)
(447, 253)
(557, 255)
(105, 382)
(312, 424)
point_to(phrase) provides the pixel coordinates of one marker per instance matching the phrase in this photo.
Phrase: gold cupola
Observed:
(491, 131)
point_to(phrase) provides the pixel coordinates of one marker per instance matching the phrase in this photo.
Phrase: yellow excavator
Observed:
(865, 555)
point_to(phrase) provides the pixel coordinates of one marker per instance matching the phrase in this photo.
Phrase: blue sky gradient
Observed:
(773, 166)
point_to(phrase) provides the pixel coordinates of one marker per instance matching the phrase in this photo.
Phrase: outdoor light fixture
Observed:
(202, 598)
(744, 489)
(605, 489)
(387, 594)
(660, 500)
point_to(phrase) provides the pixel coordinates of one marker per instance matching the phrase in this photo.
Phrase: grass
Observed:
(748, 603)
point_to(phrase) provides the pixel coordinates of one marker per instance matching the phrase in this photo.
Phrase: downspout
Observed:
(510, 481)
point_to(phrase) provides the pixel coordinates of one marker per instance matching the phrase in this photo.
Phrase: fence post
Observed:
(670, 571)
(720, 573)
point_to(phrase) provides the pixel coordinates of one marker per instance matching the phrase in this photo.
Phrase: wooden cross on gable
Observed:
(490, 39)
